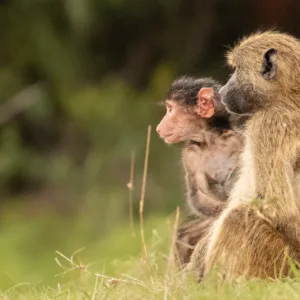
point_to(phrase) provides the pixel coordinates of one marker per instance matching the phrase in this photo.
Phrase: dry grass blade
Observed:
(132, 278)
(171, 258)
(109, 281)
(130, 186)
(141, 210)
(174, 238)
(95, 289)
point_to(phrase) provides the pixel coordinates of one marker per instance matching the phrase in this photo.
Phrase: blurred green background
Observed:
(79, 84)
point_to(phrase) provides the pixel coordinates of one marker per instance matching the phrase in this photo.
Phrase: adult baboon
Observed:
(260, 228)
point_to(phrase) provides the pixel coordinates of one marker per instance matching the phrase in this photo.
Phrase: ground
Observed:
(140, 276)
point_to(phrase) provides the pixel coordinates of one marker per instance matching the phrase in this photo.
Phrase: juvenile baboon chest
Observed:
(219, 163)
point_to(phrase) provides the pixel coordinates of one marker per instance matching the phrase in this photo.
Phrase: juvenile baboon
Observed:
(260, 229)
(196, 116)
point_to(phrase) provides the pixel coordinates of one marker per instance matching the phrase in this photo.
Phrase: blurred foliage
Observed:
(79, 84)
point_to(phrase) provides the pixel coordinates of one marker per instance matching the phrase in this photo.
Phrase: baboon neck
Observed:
(218, 123)
(209, 136)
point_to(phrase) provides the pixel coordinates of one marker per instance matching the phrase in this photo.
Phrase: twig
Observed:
(172, 251)
(130, 186)
(141, 210)
(143, 190)
(95, 289)
(174, 237)
(132, 278)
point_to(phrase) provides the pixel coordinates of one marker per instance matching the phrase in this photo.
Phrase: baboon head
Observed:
(266, 68)
(193, 106)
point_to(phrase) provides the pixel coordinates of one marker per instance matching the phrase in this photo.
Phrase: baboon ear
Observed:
(205, 104)
(269, 64)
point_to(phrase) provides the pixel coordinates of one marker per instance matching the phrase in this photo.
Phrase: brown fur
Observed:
(210, 169)
(189, 235)
(210, 172)
(209, 157)
(261, 226)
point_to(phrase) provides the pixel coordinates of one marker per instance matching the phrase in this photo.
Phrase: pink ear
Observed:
(206, 108)
(207, 93)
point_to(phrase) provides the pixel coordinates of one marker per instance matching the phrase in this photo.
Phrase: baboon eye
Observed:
(169, 108)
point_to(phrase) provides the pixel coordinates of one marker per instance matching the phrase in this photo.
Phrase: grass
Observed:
(126, 273)
(136, 266)
(123, 271)
(154, 277)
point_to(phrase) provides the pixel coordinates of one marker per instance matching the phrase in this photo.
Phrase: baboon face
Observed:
(241, 96)
(184, 122)
(179, 124)
(266, 69)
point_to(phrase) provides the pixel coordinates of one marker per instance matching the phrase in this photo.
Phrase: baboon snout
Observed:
(158, 128)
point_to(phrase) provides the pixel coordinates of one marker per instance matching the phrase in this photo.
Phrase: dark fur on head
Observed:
(185, 89)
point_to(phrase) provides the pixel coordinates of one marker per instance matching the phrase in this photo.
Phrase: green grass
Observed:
(141, 281)
(123, 272)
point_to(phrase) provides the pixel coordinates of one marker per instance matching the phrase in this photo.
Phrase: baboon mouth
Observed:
(233, 109)
(238, 112)
(171, 138)
(166, 136)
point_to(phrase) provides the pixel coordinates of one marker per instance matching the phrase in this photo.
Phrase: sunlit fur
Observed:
(246, 58)
(260, 229)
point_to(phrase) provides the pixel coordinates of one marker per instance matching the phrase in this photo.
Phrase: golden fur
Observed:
(260, 229)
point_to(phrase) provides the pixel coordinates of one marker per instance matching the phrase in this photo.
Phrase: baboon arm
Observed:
(269, 189)
(261, 182)
(274, 185)
(274, 154)
(200, 197)
(189, 235)
(209, 206)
